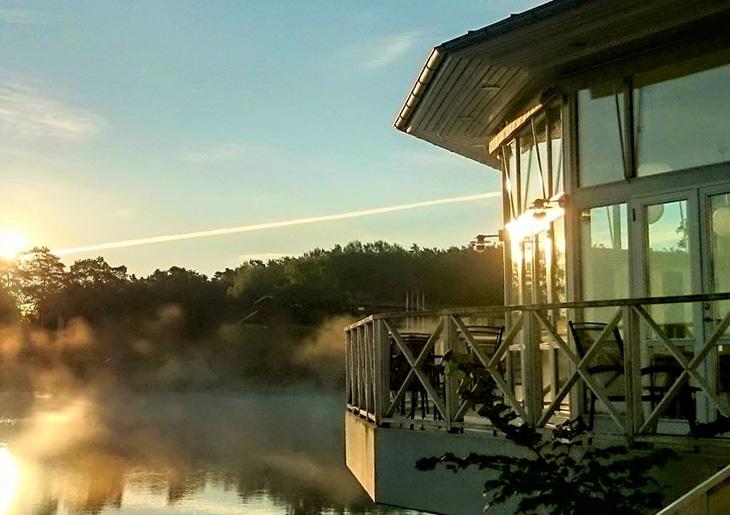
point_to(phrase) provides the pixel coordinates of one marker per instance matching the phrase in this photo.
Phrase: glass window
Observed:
(556, 152)
(668, 267)
(558, 264)
(605, 257)
(600, 129)
(681, 118)
(720, 252)
(511, 186)
(533, 162)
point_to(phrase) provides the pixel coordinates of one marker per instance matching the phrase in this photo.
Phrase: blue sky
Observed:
(128, 119)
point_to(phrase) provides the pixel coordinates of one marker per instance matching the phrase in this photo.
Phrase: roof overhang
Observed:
(471, 87)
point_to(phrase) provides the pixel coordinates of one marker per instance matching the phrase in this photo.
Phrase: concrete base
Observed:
(384, 462)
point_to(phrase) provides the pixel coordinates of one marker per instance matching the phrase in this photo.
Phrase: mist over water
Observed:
(111, 450)
(178, 393)
(82, 431)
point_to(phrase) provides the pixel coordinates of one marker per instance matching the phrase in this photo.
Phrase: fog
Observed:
(82, 432)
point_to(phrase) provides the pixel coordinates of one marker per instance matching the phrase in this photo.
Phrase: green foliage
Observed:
(37, 281)
(557, 476)
(250, 321)
(96, 273)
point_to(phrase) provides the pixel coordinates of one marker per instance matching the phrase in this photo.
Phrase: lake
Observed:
(110, 450)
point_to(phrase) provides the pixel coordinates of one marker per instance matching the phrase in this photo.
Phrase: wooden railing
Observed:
(397, 376)
(711, 497)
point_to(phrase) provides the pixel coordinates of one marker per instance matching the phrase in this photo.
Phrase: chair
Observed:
(487, 337)
(608, 362)
(400, 368)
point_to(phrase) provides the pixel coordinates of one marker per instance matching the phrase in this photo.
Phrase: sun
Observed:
(12, 243)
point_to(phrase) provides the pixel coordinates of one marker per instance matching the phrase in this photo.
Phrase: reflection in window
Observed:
(556, 151)
(511, 186)
(533, 162)
(720, 246)
(533, 169)
(600, 134)
(681, 118)
(605, 257)
(668, 269)
(558, 265)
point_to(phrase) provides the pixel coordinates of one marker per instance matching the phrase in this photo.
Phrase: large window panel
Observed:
(557, 184)
(681, 118)
(668, 265)
(533, 162)
(600, 134)
(604, 257)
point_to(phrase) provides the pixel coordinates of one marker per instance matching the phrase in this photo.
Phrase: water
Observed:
(110, 451)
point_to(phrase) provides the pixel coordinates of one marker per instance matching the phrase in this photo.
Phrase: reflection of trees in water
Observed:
(286, 447)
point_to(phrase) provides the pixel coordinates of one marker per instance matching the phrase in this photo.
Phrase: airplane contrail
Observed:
(271, 225)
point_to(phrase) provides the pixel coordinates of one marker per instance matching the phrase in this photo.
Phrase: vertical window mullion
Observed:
(630, 148)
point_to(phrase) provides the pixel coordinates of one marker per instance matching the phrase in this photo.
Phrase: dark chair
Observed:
(487, 337)
(608, 364)
(399, 369)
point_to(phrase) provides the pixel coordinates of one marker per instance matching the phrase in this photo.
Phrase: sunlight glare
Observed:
(12, 243)
(9, 479)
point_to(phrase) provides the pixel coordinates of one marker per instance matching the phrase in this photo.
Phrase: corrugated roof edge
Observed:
(438, 54)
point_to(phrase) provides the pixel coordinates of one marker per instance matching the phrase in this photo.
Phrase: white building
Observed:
(610, 123)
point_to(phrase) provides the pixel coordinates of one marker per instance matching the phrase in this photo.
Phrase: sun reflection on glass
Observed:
(9, 479)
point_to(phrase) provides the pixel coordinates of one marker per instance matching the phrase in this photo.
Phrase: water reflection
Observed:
(204, 453)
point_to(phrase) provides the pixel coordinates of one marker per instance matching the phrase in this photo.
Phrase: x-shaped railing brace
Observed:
(689, 367)
(490, 364)
(415, 371)
(580, 372)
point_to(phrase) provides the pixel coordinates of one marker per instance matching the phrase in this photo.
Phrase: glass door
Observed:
(668, 263)
(716, 234)
(669, 258)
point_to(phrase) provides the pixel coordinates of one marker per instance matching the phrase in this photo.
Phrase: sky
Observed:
(133, 119)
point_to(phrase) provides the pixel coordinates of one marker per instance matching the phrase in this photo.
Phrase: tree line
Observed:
(240, 322)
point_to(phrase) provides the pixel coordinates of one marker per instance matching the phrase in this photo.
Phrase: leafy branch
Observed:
(558, 476)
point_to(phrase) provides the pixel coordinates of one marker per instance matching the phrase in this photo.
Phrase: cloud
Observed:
(27, 113)
(375, 54)
(217, 153)
(16, 16)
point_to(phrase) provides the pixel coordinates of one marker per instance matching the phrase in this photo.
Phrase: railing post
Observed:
(382, 369)
(451, 400)
(367, 376)
(348, 368)
(359, 366)
(632, 372)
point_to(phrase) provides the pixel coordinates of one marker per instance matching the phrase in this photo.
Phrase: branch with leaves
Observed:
(560, 476)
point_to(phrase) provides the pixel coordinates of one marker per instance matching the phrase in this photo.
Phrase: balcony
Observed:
(624, 365)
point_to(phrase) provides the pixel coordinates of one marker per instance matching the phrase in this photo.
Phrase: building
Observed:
(610, 123)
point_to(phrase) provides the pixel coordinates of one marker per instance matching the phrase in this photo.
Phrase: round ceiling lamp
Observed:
(721, 221)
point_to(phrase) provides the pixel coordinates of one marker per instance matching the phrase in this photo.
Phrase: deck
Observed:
(667, 381)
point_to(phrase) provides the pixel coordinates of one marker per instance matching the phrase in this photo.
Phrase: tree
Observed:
(39, 279)
(96, 272)
(559, 477)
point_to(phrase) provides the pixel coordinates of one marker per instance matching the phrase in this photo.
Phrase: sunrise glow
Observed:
(9, 479)
(12, 243)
